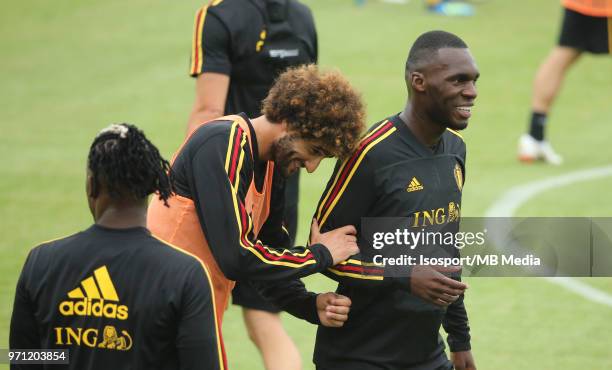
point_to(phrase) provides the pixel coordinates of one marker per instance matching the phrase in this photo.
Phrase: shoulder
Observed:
(235, 12)
(453, 140)
(298, 8)
(372, 143)
(176, 259)
(369, 152)
(44, 255)
(55, 246)
(220, 130)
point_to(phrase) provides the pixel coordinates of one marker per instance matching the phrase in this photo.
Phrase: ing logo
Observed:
(96, 297)
(90, 337)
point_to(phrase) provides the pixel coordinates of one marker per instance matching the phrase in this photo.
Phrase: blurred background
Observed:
(68, 69)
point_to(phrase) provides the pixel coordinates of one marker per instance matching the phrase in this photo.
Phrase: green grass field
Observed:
(69, 68)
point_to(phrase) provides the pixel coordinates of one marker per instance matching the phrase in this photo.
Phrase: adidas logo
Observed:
(91, 298)
(414, 185)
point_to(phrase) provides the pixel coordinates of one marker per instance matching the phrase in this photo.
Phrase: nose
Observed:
(470, 91)
(312, 164)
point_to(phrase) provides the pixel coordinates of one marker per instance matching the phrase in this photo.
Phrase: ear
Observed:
(90, 186)
(284, 127)
(417, 81)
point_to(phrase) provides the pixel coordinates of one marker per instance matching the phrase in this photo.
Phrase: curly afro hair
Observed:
(320, 107)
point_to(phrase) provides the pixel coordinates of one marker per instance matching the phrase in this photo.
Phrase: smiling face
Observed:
(449, 85)
(290, 153)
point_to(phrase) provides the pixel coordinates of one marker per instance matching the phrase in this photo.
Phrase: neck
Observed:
(422, 126)
(267, 133)
(122, 215)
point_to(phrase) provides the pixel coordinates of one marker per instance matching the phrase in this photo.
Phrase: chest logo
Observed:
(414, 185)
(458, 176)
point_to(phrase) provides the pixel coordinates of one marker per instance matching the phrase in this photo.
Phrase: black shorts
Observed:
(586, 33)
(245, 295)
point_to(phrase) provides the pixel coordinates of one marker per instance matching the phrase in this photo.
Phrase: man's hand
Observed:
(463, 360)
(333, 309)
(429, 284)
(341, 242)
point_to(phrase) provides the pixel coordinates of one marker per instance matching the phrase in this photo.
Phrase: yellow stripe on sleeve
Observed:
(197, 54)
(230, 143)
(342, 169)
(350, 176)
(353, 275)
(240, 160)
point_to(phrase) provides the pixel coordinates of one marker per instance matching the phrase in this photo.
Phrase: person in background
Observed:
(586, 27)
(114, 295)
(239, 48)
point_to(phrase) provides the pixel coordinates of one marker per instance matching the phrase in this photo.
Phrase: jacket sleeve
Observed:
(221, 172)
(24, 328)
(291, 296)
(210, 48)
(456, 324)
(198, 337)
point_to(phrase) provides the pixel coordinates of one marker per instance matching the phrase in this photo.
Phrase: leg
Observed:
(549, 77)
(546, 86)
(276, 347)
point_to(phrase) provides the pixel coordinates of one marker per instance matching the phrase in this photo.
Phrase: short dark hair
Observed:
(426, 45)
(127, 164)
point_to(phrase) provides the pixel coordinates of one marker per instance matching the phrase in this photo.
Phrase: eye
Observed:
(317, 152)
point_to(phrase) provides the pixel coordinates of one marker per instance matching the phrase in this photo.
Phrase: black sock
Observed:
(536, 127)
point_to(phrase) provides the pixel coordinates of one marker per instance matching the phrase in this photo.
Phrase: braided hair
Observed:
(128, 165)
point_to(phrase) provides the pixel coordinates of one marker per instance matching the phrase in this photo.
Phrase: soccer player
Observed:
(239, 48)
(408, 165)
(225, 210)
(114, 295)
(587, 26)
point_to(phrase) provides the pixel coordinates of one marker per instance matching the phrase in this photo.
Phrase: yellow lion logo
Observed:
(113, 341)
(454, 213)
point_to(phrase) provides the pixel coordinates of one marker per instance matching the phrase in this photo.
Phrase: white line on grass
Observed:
(517, 196)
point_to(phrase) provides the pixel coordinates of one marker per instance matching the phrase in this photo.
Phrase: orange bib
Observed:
(593, 8)
(179, 224)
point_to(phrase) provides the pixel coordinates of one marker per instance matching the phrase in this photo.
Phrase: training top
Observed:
(215, 169)
(391, 174)
(239, 38)
(215, 172)
(116, 299)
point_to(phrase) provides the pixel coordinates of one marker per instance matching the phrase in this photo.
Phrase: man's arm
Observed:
(220, 175)
(198, 334)
(210, 95)
(456, 324)
(24, 328)
(326, 309)
(211, 65)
